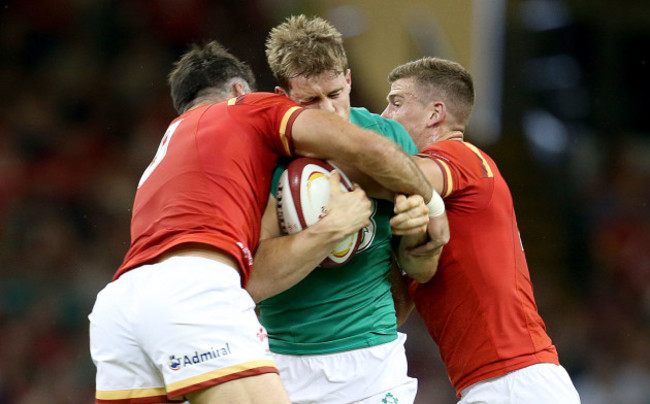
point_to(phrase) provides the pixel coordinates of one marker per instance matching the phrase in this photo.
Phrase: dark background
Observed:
(85, 103)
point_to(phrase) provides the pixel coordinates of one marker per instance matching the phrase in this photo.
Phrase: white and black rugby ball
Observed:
(303, 194)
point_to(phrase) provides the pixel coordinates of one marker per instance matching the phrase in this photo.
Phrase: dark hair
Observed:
(209, 66)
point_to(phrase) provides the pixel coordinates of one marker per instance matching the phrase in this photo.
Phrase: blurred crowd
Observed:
(86, 103)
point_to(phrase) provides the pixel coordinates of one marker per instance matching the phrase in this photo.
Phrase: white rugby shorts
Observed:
(376, 374)
(161, 331)
(543, 383)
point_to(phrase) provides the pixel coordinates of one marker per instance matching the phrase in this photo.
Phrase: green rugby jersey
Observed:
(347, 307)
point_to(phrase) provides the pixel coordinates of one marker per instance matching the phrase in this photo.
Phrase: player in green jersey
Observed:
(333, 334)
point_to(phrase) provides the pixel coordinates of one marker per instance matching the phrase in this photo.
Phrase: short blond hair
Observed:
(445, 79)
(303, 46)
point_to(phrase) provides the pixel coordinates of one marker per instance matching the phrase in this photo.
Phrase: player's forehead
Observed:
(317, 85)
(404, 87)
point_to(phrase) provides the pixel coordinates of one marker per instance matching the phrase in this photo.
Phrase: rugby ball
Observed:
(303, 194)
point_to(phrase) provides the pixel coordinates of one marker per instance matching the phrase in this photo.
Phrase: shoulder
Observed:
(451, 148)
(263, 99)
(462, 163)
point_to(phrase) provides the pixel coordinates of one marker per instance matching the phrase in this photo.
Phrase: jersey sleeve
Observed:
(463, 165)
(272, 115)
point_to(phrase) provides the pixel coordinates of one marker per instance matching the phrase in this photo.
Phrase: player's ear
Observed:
(238, 89)
(437, 113)
(280, 90)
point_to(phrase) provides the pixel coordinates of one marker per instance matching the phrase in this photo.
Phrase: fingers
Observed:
(408, 228)
(348, 212)
(335, 182)
(400, 202)
(355, 201)
(411, 215)
(404, 203)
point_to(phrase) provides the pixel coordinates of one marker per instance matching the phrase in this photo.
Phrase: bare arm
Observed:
(418, 254)
(273, 272)
(324, 135)
(399, 288)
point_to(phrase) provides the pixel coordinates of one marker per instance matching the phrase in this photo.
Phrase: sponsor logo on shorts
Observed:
(262, 335)
(264, 339)
(181, 361)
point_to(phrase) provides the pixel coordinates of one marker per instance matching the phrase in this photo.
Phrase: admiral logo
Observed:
(179, 362)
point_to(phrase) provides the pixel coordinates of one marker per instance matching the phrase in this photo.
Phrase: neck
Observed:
(449, 135)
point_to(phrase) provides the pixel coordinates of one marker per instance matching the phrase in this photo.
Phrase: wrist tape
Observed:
(436, 205)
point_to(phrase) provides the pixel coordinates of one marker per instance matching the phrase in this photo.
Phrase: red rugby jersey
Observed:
(479, 307)
(210, 179)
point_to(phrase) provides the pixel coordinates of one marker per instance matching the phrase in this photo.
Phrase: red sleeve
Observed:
(272, 115)
(465, 168)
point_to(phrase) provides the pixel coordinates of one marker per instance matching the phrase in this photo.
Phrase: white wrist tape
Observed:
(436, 205)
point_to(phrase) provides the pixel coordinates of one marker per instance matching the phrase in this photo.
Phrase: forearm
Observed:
(399, 288)
(420, 267)
(282, 262)
(372, 154)
(372, 188)
(392, 168)
(419, 254)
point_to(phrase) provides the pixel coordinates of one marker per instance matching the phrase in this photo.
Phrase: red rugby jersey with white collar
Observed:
(479, 306)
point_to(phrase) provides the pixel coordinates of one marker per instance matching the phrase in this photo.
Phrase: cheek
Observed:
(406, 119)
(342, 108)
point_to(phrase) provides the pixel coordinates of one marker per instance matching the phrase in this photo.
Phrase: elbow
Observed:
(427, 267)
(438, 230)
(257, 293)
(257, 297)
(441, 238)
(402, 313)
(424, 276)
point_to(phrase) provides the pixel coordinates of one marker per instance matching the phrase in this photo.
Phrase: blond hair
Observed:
(443, 79)
(303, 46)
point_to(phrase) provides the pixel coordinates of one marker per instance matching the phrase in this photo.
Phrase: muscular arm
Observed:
(372, 187)
(418, 254)
(324, 135)
(281, 261)
(399, 288)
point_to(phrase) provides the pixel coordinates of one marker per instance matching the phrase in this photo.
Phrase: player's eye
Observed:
(308, 102)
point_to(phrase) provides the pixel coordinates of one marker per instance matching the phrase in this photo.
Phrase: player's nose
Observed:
(386, 113)
(327, 105)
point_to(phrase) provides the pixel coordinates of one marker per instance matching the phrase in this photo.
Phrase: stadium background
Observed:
(561, 107)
